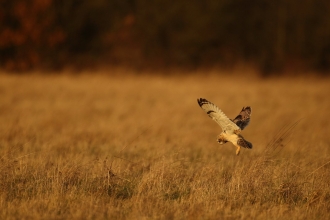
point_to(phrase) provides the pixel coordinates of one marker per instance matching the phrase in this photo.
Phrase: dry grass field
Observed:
(94, 146)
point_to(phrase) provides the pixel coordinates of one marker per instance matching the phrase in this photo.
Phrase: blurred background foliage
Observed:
(272, 35)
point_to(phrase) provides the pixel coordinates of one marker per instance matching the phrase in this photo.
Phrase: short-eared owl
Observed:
(230, 128)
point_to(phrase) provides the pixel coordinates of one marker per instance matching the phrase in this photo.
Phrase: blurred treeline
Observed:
(273, 35)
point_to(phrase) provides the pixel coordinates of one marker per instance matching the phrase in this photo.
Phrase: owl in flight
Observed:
(231, 129)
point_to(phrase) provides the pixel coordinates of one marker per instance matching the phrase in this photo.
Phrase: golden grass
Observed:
(139, 147)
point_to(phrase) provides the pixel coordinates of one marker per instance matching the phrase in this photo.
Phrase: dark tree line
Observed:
(274, 35)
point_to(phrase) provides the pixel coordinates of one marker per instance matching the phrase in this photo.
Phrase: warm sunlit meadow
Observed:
(95, 146)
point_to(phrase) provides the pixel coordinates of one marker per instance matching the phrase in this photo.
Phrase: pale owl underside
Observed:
(230, 128)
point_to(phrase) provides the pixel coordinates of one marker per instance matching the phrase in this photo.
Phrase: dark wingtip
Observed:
(201, 101)
(248, 107)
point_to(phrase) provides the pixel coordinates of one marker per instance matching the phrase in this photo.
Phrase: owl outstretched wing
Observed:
(243, 118)
(218, 116)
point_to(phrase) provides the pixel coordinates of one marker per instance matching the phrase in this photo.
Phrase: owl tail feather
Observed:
(244, 143)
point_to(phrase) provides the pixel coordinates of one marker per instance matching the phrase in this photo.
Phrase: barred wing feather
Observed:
(243, 119)
(217, 115)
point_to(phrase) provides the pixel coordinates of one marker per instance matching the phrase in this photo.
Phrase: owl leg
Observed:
(238, 150)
